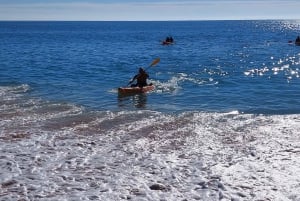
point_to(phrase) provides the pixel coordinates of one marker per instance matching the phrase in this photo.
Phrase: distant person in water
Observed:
(297, 41)
(169, 39)
(141, 79)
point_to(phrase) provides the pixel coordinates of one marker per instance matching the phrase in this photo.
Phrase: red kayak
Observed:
(167, 43)
(135, 90)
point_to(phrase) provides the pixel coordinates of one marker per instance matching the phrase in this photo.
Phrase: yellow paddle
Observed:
(154, 62)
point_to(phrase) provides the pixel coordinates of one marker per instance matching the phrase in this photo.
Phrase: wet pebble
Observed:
(93, 197)
(158, 187)
(221, 196)
(203, 184)
(221, 186)
(104, 190)
(235, 199)
(241, 194)
(138, 192)
(197, 197)
(8, 183)
(125, 197)
(253, 153)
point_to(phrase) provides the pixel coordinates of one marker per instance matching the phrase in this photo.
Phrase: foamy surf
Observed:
(59, 151)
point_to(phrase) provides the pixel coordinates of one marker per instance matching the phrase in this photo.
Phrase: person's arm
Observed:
(134, 78)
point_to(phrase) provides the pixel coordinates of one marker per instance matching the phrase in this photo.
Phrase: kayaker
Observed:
(141, 79)
(297, 41)
(169, 39)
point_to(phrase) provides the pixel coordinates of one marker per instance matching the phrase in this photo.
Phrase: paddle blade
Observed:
(154, 62)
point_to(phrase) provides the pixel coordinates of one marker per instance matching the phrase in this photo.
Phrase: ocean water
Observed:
(223, 122)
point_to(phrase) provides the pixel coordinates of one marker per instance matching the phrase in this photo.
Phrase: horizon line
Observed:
(45, 20)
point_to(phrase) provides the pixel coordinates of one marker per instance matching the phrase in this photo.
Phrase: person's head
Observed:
(141, 70)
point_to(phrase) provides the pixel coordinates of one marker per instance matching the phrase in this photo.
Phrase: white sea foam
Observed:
(52, 151)
(170, 86)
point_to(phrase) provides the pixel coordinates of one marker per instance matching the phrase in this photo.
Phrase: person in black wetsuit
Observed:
(141, 79)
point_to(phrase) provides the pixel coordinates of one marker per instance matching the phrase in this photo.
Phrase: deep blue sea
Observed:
(247, 66)
(223, 122)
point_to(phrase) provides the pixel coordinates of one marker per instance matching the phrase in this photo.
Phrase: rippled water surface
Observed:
(247, 66)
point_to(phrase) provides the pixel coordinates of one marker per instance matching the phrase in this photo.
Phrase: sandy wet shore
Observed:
(62, 152)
